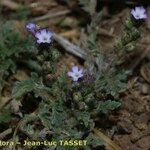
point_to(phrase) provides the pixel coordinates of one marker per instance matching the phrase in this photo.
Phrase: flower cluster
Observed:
(43, 36)
(139, 13)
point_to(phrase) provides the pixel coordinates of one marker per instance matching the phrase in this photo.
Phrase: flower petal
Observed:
(43, 31)
(50, 34)
(70, 74)
(80, 71)
(75, 69)
(144, 16)
(38, 35)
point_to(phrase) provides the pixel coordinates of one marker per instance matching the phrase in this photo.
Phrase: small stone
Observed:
(145, 89)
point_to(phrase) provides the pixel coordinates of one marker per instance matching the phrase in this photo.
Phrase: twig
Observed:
(69, 47)
(5, 133)
(105, 33)
(5, 103)
(46, 3)
(52, 15)
(109, 144)
(10, 4)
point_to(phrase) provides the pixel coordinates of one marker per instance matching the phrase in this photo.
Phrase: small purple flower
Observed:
(75, 74)
(139, 13)
(43, 36)
(31, 27)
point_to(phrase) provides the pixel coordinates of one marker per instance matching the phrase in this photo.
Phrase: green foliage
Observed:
(21, 13)
(8, 45)
(96, 60)
(32, 84)
(92, 140)
(68, 110)
(70, 117)
(23, 87)
(26, 127)
(126, 43)
(112, 83)
(12, 49)
(108, 105)
(11, 46)
(84, 117)
(5, 116)
(7, 64)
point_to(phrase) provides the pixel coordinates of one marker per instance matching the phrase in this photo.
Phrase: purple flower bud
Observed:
(75, 74)
(139, 13)
(31, 27)
(43, 36)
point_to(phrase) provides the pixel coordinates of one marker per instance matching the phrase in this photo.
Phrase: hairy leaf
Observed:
(34, 84)
(108, 105)
(111, 83)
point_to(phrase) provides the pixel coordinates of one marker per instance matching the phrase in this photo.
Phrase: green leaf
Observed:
(5, 116)
(10, 47)
(112, 83)
(6, 64)
(83, 117)
(93, 140)
(104, 107)
(22, 88)
(34, 84)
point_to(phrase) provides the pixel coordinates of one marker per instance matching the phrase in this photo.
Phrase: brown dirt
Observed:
(133, 120)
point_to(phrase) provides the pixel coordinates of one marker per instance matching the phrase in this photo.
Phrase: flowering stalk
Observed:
(47, 55)
(131, 34)
(126, 42)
